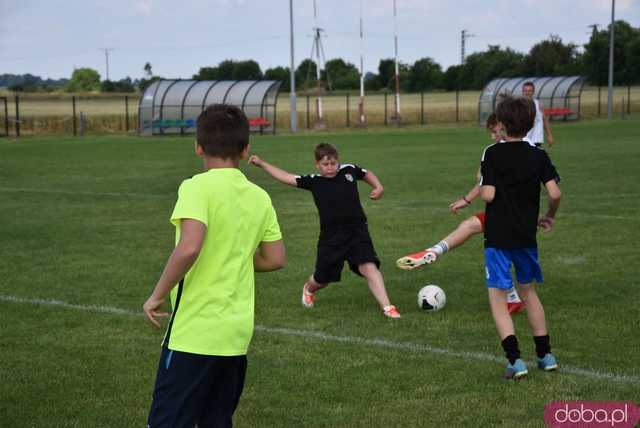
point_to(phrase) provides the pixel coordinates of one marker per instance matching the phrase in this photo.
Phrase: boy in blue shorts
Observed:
(511, 174)
(226, 228)
(344, 233)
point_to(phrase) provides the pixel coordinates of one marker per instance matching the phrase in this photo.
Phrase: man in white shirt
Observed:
(541, 123)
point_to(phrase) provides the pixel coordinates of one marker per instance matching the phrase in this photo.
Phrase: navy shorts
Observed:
(196, 389)
(351, 244)
(497, 264)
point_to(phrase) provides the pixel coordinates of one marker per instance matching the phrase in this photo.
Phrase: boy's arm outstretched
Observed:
(277, 173)
(373, 181)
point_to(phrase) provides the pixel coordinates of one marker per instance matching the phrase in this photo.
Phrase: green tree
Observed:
(451, 77)
(343, 75)
(306, 74)
(481, 67)
(386, 71)
(281, 74)
(107, 86)
(551, 57)
(224, 70)
(143, 84)
(425, 74)
(147, 69)
(246, 70)
(206, 73)
(84, 79)
(372, 82)
(596, 55)
(633, 56)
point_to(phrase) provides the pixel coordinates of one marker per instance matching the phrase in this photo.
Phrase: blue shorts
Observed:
(497, 265)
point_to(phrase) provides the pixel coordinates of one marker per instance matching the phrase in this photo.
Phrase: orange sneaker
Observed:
(416, 260)
(307, 297)
(391, 312)
(516, 307)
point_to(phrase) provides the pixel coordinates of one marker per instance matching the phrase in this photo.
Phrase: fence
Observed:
(70, 115)
(79, 114)
(4, 120)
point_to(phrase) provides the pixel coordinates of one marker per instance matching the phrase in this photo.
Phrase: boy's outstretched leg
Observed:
(514, 303)
(309, 291)
(376, 285)
(465, 230)
(537, 321)
(516, 368)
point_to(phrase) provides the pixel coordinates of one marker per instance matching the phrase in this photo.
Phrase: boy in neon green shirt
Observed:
(226, 228)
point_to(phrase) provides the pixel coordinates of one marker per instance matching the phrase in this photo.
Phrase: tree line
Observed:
(550, 57)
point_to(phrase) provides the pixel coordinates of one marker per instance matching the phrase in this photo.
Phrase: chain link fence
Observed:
(42, 114)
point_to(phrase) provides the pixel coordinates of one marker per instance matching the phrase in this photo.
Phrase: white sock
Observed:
(512, 296)
(440, 248)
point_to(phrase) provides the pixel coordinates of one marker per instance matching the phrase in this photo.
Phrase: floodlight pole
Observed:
(611, 36)
(361, 105)
(317, 46)
(292, 92)
(395, 40)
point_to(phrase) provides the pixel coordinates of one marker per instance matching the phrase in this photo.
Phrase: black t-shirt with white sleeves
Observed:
(517, 170)
(336, 197)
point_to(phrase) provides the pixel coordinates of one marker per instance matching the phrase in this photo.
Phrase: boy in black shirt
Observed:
(344, 234)
(511, 174)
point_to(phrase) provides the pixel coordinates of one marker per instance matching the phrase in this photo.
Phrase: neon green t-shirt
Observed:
(213, 307)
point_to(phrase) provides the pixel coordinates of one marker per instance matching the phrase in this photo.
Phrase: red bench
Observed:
(557, 111)
(259, 121)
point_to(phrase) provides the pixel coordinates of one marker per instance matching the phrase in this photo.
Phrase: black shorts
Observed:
(352, 244)
(196, 389)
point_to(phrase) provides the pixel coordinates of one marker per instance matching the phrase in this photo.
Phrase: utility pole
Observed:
(361, 104)
(320, 61)
(463, 41)
(611, 33)
(395, 41)
(292, 92)
(106, 55)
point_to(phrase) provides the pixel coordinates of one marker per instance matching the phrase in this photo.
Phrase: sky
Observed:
(50, 38)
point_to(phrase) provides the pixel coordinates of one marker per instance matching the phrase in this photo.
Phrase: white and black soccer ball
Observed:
(431, 298)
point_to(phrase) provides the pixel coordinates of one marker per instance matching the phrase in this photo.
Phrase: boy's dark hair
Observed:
(516, 114)
(325, 149)
(529, 83)
(223, 131)
(492, 121)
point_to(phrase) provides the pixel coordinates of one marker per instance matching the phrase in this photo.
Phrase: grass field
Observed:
(85, 234)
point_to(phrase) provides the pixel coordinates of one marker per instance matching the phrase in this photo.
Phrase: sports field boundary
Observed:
(349, 340)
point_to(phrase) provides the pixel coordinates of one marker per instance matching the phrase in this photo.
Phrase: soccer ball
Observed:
(431, 298)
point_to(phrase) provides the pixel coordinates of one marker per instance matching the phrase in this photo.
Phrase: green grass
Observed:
(85, 222)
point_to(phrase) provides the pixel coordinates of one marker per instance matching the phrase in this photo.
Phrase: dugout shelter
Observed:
(559, 96)
(171, 107)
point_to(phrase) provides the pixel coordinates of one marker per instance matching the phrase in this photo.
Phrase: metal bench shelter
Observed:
(171, 107)
(556, 94)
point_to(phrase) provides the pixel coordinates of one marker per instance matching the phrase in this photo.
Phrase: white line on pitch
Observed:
(85, 193)
(351, 340)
